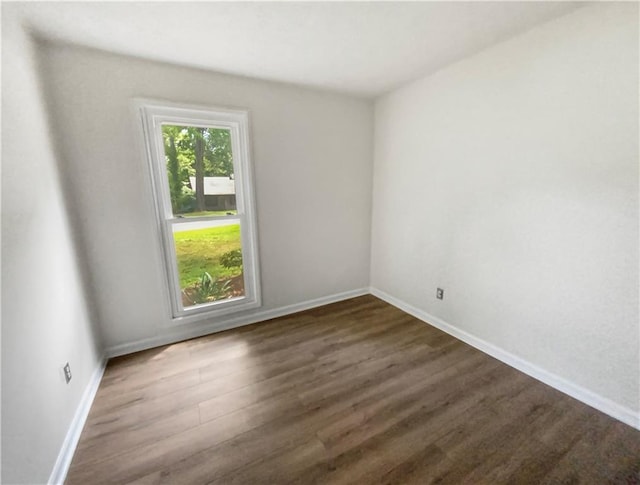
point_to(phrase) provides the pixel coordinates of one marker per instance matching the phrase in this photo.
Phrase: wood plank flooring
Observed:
(355, 392)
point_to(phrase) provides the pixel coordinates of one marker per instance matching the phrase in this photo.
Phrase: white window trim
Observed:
(153, 115)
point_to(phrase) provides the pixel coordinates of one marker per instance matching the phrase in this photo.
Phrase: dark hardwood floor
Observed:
(355, 392)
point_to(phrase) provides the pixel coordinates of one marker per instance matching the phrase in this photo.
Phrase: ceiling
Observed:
(361, 48)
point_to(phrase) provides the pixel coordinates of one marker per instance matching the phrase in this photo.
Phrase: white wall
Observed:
(45, 317)
(312, 155)
(510, 179)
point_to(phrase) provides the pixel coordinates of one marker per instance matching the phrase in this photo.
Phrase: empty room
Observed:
(320, 242)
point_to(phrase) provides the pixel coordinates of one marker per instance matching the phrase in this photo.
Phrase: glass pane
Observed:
(199, 170)
(209, 257)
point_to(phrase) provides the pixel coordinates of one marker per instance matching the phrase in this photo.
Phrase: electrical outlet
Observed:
(440, 294)
(67, 372)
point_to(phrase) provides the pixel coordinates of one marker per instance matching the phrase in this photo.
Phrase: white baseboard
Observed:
(189, 331)
(61, 467)
(596, 401)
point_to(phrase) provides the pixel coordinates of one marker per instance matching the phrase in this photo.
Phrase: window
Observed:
(201, 179)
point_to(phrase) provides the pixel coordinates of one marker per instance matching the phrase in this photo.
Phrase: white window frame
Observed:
(153, 115)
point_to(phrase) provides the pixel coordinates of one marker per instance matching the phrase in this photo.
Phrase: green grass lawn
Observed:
(199, 250)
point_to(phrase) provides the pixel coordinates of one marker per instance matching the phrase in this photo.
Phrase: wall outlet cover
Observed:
(67, 372)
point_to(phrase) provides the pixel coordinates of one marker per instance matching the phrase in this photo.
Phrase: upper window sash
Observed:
(236, 148)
